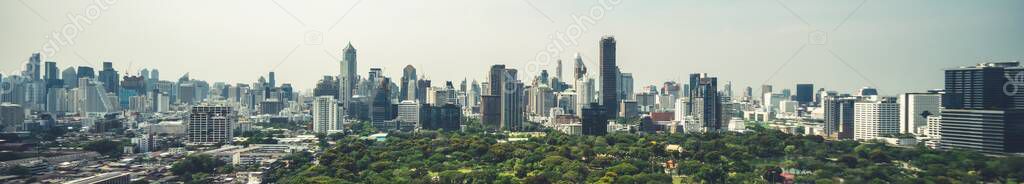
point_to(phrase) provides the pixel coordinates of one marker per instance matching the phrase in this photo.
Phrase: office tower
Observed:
(32, 67)
(271, 106)
(136, 84)
(585, 93)
(727, 91)
(629, 109)
(327, 87)
(668, 88)
(541, 100)
(544, 78)
(513, 108)
(273, 80)
(408, 91)
(11, 117)
(287, 92)
(347, 77)
(208, 125)
(915, 108)
(609, 79)
(55, 100)
(980, 113)
(707, 104)
(594, 120)
(327, 115)
(566, 101)
(409, 112)
(186, 93)
(447, 117)
(86, 72)
(625, 86)
(770, 102)
(110, 78)
(380, 105)
(804, 94)
(839, 112)
(748, 93)
(875, 118)
(580, 70)
(52, 76)
(421, 90)
(490, 107)
(766, 89)
(558, 70)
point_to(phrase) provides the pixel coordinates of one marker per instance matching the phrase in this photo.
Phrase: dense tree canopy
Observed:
(756, 157)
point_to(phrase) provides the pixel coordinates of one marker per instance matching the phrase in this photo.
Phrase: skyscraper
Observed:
(707, 104)
(380, 105)
(52, 76)
(408, 84)
(110, 78)
(804, 94)
(86, 72)
(609, 77)
(209, 125)
(979, 113)
(273, 80)
(625, 86)
(594, 119)
(348, 75)
(32, 67)
(839, 112)
(70, 77)
(490, 105)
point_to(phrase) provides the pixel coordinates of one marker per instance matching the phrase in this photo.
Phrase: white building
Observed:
(915, 108)
(211, 125)
(409, 112)
(326, 115)
(875, 118)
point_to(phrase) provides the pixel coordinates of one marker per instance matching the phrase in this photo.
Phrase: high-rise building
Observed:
(513, 107)
(875, 118)
(70, 77)
(915, 108)
(380, 105)
(348, 75)
(595, 122)
(979, 112)
(625, 86)
(86, 72)
(408, 86)
(32, 67)
(867, 91)
(839, 112)
(707, 104)
(804, 94)
(609, 77)
(273, 80)
(52, 76)
(208, 125)
(110, 78)
(327, 87)
(327, 115)
(409, 112)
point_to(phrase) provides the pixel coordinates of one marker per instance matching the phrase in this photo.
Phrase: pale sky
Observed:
(897, 46)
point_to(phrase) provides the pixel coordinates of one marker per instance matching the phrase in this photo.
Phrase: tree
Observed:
(194, 166)
(773, 175)
(105, 147)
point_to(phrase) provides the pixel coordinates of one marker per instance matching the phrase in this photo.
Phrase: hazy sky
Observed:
(896, 46)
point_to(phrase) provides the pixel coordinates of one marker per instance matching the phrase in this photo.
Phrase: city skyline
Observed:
(860, 48)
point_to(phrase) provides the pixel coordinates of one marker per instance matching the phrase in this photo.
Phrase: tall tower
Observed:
(347, 77)
(558, 70)
(408, 88)
(609, 79)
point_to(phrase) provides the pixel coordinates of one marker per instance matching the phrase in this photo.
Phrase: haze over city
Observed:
(742, 42)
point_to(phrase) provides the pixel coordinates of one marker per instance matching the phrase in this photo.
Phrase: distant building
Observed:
(609, 77)
(804, 94)
(839, 111)
(915, 108)
(707, 104)
(209, 125)
(595, 121)
(875, 118)
(327, 115)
